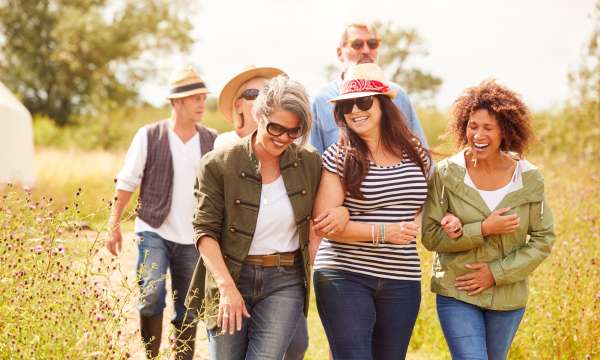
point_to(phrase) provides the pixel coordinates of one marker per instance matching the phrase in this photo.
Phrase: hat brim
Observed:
(230, 89)
(188, 93)
(391, 94)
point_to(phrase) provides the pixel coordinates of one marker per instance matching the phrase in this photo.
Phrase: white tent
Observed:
(16, 141)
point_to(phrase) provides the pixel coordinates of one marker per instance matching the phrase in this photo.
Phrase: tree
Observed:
(398, 49)
(70, 57)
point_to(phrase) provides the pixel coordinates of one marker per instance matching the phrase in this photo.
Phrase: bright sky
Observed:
(528, 45)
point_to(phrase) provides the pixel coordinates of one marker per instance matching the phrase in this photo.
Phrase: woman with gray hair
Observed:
(252, 226)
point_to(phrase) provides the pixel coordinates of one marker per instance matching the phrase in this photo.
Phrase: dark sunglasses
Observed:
(358, 44)
(277, 130)
(363, 103)
(250, 94)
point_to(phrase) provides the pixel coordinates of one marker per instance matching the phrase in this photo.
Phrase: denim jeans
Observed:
(274, 297)
(299, 343)
(366, 317)
(474, 333)
(156, 255)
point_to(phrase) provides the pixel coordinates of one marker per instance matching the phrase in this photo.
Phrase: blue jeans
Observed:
(474, 333)
(299, 343)
(274, 297)
(366, 317)
(156, 255)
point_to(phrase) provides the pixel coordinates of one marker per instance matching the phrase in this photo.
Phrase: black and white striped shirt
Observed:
(391, 194)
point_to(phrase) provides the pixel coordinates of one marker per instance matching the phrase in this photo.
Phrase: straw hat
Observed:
(364, 80)
(226, 98)
(185, 82)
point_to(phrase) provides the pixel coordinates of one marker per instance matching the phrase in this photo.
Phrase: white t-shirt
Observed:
(225, 139)
(177, 227)
(493, 197)
(276, 230)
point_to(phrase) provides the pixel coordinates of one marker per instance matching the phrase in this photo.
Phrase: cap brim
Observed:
(391, 94)
(188, 93)
(230, 89)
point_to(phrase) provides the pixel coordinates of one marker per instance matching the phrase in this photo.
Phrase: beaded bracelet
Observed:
(373, 234)
(382, 233)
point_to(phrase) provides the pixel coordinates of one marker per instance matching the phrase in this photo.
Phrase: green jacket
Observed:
(511, 257)
(229, 188)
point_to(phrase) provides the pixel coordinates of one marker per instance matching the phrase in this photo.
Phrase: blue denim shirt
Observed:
(324, 130)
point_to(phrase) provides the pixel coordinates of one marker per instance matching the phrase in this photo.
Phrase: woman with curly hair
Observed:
(487, 219)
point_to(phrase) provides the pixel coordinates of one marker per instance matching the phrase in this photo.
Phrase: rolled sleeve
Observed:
(209, 215)
(130, 175)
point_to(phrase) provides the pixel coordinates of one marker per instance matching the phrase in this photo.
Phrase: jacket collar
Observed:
(528, 184)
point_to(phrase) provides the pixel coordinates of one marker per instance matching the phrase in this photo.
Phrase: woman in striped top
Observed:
(367, 274)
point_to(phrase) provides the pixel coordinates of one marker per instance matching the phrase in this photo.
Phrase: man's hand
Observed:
(477, 281)
(231, 309)
(115, 241)
(497, 224)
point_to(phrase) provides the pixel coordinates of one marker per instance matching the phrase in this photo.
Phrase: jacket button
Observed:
(308, 218)
(295, 164)
(243, 174)
(231, 229)
(237, 201)
(303, 192)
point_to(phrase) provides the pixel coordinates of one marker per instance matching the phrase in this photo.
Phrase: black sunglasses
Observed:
(363, 103)
(277, 130)
(358, 44)
(250, 94)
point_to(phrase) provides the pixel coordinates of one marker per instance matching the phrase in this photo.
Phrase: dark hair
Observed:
(506, 106)
(396, 138)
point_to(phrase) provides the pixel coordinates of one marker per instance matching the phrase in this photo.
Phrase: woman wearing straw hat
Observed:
(236, 100)
(367, 276)
(251, 226)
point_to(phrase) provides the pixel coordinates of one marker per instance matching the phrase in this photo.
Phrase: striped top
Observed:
(391, 194)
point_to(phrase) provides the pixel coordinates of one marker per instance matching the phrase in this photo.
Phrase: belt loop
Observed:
(278, 261)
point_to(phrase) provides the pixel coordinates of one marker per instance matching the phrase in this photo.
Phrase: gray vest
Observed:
(156, 191)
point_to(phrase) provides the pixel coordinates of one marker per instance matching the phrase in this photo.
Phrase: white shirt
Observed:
(177, 227)
(225, 139)
(276, 229)
(493, 197)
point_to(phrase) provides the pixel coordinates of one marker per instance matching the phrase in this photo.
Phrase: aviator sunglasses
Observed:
(363, 103)
(358, 44)
(277, 130)
(250, 94)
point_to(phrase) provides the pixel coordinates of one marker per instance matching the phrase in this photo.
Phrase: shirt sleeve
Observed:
(316, 136)
(333, 159)
(411, 116)
(130, 176)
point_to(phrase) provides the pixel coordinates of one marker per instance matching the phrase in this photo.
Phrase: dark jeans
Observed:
(299, 343)
(366, 317)
(156, 255)
(474, 333)
(274, 297)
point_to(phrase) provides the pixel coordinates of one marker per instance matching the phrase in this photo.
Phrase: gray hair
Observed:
(284, 94)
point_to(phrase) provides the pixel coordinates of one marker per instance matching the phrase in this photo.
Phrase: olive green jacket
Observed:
(511, 257)
(229, 188)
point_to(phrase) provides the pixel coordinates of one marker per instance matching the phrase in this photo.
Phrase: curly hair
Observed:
(512, 115)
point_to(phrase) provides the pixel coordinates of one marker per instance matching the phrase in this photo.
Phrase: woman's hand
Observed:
(331, 221)
(477, 281)
(402, 233)
(231, 309)
(497, 224)
(451, 226)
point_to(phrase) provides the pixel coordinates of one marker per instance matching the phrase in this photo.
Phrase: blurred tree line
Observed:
(67, 58)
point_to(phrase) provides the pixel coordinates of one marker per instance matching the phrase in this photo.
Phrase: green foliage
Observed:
(399, 49)
(66, 58)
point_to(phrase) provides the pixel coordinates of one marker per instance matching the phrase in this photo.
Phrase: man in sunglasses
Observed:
(359, 44)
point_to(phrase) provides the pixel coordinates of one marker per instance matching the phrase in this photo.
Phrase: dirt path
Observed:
(130, 333)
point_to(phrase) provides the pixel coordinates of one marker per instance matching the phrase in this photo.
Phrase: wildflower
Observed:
(38, 249)
(61, 249)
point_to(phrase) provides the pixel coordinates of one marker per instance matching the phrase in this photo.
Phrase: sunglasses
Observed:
(362, 103)
(358, 44)
(250, 94)
(277, 130)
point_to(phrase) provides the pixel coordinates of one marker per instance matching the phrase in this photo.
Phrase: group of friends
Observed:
(332, 192)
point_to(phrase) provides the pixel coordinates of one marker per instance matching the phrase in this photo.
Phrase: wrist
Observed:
(484, 228)
(225, 285)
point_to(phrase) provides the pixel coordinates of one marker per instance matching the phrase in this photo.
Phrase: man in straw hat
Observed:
(359, 44)
(236, 100)
(163, 160)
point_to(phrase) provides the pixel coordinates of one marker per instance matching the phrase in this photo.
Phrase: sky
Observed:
(527, 45)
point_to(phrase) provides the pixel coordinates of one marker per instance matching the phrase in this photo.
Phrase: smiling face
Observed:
(365, 123)
(276, 145)
(484, 135)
